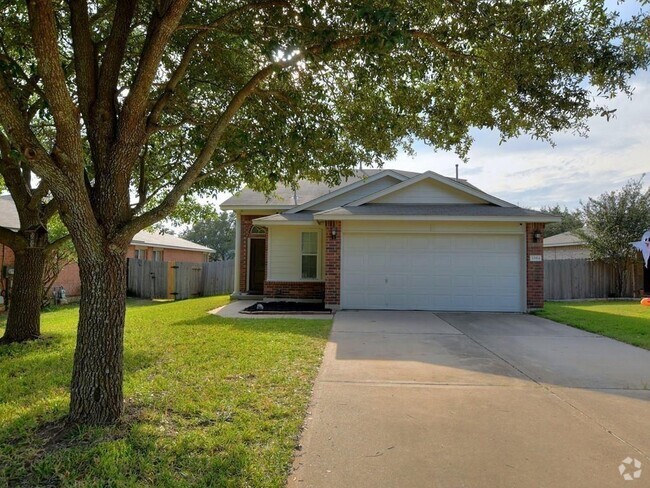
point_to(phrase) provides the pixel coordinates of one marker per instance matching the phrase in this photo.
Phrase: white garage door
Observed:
(432, 272)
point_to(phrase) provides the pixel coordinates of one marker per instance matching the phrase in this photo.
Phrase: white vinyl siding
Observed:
(285, 252)
(472, 271)
(428, 192)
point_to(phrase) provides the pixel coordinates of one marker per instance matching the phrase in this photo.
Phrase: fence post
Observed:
(171, 279)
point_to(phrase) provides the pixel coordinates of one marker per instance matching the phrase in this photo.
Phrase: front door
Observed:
(256, 266)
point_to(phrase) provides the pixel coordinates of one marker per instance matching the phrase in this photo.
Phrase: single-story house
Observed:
(566, 245)
(145, 245)
(390, 239)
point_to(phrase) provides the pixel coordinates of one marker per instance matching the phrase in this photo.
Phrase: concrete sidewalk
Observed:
(415, 399)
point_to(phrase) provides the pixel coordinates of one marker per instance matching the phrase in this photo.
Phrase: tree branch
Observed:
(84, 57)
(12, 239)
(64, 111)
(214, 138)
(180, 71)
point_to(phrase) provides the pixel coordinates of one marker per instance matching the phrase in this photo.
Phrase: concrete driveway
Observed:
(410, 399)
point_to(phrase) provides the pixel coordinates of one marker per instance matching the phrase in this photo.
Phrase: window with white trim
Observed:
(140, 254)
(157, 255)
(309, 255)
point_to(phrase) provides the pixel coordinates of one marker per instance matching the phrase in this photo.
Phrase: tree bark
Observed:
(24, 319)
(96, 396)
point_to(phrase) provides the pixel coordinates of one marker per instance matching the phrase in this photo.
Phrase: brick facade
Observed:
(246, 226)
(314, 290)
(534, 270)
(333, 263)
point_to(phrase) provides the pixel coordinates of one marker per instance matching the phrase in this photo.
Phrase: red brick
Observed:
(534, 270)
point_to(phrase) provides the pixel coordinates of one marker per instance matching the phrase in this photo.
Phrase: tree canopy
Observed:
(571, 220)
(139, 103)
(216, 232)
(613, 221)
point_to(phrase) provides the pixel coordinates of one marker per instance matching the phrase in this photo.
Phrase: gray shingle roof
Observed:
(563, 239)
(9, 219)
(306, 191)
(8, 214)
(168, 241)
(457, 210)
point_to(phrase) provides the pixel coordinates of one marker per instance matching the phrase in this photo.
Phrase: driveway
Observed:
(410, 399)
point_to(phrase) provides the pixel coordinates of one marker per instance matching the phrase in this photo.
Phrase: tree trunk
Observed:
(24, 319)
(96, 396)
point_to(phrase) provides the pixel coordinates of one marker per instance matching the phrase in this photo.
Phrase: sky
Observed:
(533, 173)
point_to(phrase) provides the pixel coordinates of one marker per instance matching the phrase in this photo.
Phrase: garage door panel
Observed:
(432, 272)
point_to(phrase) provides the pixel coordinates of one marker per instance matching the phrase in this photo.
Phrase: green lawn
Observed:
(626, 321)
(209, 401)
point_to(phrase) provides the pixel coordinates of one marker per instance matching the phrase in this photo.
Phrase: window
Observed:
(157, 255)
(310, 255)
(140, 254)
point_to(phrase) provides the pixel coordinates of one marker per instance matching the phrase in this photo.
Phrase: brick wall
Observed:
(182, 255)
(534, 270)
(69, 279)
(333, 263)
(246, 226)
(294, 289)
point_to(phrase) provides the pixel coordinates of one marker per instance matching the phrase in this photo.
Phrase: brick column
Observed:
(333, 264)
(534, 269)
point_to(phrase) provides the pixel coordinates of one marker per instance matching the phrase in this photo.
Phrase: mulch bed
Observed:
(271, 308)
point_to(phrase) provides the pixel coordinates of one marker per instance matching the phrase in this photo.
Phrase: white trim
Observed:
(347, 188)
(164, 246)
(435, 218)
(430, 175)
(319, 254)
(567, 244)
(270, 223)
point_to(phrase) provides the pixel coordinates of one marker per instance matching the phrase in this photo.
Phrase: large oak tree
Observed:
(260, 92)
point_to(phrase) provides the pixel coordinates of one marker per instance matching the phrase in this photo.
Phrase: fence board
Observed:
(147, 279)
(567, 279)
(157, 279)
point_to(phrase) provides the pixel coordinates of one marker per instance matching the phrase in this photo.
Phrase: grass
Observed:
(625, 321)
(209, 401)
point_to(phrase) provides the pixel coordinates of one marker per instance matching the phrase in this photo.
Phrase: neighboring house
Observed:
(566, 245)
(388, 239)
(145, 245)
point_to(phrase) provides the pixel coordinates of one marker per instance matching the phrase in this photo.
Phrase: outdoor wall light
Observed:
(537, 235)
(334, 233)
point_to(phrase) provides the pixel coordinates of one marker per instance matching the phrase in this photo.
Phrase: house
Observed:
(390, 239)
(145, 245)
(566, 245)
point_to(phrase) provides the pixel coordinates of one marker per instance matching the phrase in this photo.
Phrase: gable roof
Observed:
(341, 190)
(306, 191)
(9, 219)
(430, 175)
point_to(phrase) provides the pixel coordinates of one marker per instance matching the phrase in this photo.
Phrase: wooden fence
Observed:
(568, 279)
(161, 279)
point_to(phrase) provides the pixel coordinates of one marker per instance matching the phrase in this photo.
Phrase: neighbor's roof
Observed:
(306, 191)
(9, 219)
(8, 214)
(563, 239)
(168, 241)
(436, 212)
